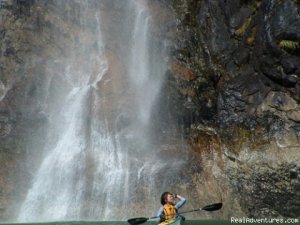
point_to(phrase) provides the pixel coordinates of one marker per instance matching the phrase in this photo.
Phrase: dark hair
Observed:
(163, 197)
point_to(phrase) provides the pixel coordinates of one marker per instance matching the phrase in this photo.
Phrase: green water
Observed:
(190, 222)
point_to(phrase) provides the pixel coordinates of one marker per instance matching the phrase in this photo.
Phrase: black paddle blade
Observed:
(213, 207)
(136, 221)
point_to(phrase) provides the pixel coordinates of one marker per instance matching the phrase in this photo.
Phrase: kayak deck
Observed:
(177, 221)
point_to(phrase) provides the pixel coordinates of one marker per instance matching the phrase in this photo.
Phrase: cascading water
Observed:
(97, 163)
(58, 187)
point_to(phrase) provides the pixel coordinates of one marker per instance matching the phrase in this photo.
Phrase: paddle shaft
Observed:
(193, 210)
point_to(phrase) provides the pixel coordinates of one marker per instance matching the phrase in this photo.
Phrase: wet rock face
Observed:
(239, 51)
(281, 190)
(279, 39)
(244, 57)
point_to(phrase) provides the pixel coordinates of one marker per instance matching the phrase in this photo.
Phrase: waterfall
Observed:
(97, 162)
(58, 186)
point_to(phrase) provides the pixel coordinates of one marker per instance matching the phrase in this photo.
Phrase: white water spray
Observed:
(89, 163)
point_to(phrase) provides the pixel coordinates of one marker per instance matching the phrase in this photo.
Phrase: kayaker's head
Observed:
(167, 197)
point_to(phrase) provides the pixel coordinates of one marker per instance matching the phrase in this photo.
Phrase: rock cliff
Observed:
(233, 85)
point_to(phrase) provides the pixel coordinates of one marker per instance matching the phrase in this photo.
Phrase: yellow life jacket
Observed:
(169, 212)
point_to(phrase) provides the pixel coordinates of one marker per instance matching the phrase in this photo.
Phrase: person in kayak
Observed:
(168, 210)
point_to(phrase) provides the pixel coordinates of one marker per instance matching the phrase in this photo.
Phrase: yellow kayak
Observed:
(177, 221)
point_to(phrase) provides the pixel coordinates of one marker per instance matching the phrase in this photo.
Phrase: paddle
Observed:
(211, 207)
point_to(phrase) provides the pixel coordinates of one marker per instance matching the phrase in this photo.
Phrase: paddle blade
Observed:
(213, 207)
(136, 221)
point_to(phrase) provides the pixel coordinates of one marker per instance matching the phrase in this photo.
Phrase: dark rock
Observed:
(287, 28)
(10, 51)
(238, 19)
(5, 126)
(291, 80)
(290, 64)
(297, 187)
(241, 56)
(271, 191)
(294, 174)
(26, 3)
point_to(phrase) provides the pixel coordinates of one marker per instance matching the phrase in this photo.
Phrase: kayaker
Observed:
(168, 210)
